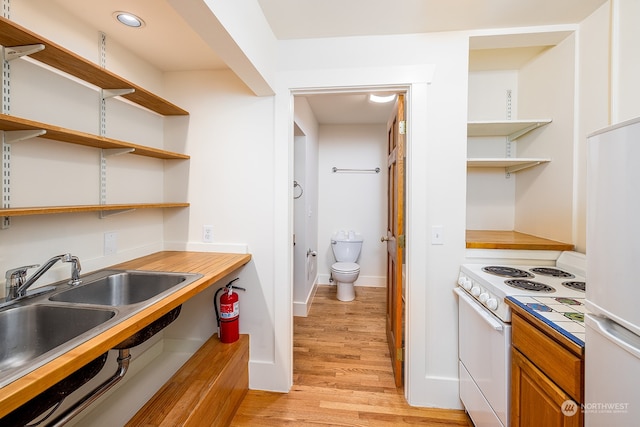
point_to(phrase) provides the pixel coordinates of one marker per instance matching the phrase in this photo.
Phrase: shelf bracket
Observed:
(513, 169)
(110, 152)
(518, 134)
(12, 136)
(105, 214)
(9, 53)
(110, 93)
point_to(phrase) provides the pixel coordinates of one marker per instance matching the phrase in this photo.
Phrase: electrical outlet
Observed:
(110, 243)
(207, 233)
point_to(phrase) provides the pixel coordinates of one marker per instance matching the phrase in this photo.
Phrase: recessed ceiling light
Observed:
(378, 99)
(128, 19)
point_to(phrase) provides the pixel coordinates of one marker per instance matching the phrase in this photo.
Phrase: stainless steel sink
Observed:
(119, 287)
(37, 329)
(30, 331)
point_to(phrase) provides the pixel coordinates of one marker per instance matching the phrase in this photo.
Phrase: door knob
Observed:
(384, 239)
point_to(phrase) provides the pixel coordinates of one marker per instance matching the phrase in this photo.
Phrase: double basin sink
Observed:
(36, 330)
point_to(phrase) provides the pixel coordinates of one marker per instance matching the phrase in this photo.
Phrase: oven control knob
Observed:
(467, 283)
(491, 303)
(483, 297)
(475, 291)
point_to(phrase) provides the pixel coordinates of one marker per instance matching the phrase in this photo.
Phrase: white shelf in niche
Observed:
(510, 165)
(512, 129)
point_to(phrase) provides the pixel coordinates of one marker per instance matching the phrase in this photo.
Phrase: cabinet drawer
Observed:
(559, 364)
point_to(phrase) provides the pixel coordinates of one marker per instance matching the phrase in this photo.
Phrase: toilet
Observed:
(346, 250)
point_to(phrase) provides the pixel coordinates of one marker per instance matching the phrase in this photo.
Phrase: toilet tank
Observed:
(346, 246)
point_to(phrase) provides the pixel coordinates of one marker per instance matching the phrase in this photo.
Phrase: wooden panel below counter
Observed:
(499, 239)
(213, 267)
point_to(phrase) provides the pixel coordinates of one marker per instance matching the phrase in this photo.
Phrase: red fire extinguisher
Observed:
(229, 315)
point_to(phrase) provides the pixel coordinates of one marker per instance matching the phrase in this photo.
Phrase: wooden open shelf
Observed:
(19, 41)
(49, 210)
(12, 35)
(508, 239)
(12, 123)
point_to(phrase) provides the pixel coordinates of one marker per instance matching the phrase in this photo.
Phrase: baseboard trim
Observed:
(301, 309)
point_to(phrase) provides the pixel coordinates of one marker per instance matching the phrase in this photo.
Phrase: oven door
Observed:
(484, 343)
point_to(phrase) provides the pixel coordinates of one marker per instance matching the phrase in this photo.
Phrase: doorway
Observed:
(346, 122)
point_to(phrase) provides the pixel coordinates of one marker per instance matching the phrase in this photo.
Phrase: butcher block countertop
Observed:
(213, 267)
(498, 239)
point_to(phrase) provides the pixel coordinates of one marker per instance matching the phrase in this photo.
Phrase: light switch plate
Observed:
(437, 235)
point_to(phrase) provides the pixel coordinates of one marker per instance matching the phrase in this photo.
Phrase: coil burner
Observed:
(499, 270)
(577, 285)
(529, 285)
(553, 272)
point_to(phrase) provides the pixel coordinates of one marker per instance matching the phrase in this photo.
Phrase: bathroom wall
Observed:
(305, 265)
(353, 200)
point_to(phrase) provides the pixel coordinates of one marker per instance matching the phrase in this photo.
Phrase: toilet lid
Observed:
(345, 266)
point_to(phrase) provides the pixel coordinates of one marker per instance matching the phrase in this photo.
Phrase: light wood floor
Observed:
(342, 372)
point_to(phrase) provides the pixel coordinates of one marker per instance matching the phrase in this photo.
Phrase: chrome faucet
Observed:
(17, 283)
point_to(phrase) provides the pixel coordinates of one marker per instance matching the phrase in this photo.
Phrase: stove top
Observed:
(491, 284)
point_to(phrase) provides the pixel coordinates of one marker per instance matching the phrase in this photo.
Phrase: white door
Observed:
(613, 227)
(612, 370)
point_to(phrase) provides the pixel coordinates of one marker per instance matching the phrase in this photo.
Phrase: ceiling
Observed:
(349, 108)
(170, 44)
(297, 19)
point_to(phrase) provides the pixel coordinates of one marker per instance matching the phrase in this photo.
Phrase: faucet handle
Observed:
(19, 273)
(75, 270)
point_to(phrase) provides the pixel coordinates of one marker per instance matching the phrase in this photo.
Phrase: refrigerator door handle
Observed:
(615, 333)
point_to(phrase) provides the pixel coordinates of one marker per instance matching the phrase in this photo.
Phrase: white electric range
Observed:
(491, 284)
(484, 329)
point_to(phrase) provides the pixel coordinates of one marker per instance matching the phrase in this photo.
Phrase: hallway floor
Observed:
(342, 372)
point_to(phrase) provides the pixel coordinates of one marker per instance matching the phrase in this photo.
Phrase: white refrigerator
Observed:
(612, 343)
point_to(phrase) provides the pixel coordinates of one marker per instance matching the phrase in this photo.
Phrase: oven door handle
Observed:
(494, 323)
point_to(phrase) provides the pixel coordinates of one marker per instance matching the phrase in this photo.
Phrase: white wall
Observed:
(231, 188)
(545, 194)
(433, 68)
(625, 66)
(353, 200)
(306, 209)
(490, 196)
(593, 104)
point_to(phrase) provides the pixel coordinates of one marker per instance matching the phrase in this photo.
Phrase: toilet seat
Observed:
(345, 267)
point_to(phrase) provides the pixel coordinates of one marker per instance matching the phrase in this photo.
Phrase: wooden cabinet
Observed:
(547, 378)
(18, 41)
(535, 399)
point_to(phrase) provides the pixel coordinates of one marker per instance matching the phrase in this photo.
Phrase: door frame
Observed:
(406, 90)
